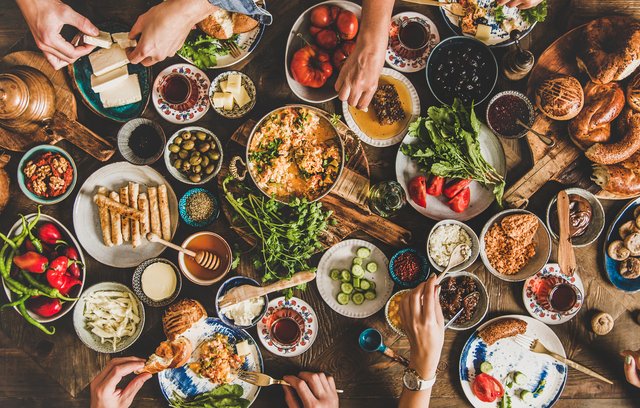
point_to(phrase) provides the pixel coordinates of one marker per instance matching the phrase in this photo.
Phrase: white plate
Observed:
(506, 357)
(87, 222)
(481, 198)
(403, 64)
(340, 256)
(415, 111)
(297, 309)
(167, 111)
(530, 299)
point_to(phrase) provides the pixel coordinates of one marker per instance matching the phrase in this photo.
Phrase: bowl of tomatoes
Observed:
(319, 43)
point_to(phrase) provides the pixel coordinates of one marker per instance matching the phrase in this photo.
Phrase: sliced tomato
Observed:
(460, 201)
(418, 190)
(487, 388)
(434, 186)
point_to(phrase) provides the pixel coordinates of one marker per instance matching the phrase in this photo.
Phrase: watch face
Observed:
(410, 380)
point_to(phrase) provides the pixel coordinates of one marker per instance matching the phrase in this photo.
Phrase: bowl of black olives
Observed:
(193, 155)
(463, 68)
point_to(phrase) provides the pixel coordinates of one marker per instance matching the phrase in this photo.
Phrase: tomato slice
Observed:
(418, 190)
(487, 388)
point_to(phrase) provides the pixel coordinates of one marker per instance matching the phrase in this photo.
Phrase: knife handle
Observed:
(579, 367)
(298, 278)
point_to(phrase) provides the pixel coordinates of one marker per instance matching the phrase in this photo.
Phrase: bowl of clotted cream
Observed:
(157, 282)
(244, 314)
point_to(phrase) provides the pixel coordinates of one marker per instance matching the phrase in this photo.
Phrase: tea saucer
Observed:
(295, 307)
(405, 60)
(532, 304)
(168, 111)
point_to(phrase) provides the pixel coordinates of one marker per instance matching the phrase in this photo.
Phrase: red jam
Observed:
(504, 112)
(407, 266)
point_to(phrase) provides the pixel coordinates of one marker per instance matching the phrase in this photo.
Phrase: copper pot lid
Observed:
(14, 96)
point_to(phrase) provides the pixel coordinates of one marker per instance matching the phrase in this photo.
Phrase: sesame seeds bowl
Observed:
(444, 237)
(199, 207)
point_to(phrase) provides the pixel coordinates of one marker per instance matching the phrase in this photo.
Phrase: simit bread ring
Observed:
(620, 178)
(633, 93)
(629, 143)
(611, 49)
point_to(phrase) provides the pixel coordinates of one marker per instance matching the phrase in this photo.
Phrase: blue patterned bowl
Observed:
(182, 207)
(136, 283)
(230, 284)
(35, 153)
(422, 276)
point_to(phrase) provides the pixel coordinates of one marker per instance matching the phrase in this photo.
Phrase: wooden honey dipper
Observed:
(203, 258)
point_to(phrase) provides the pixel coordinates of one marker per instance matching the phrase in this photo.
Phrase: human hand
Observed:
(631, 363)
(521, 4)
(45, 19)
(315, 390)
(163, 29)
(423, 324)
(104, 393)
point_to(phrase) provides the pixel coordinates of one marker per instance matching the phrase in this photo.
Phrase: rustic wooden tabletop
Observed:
(54, 371)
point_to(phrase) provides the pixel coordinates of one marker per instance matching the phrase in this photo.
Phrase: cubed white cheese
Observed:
(234, 82)
(122, 39)
(218, 99)
(484, 32)
(105, 60)
(123, 93)
(243, 348)
(223, 86)
(228, 102)
(103, 82)
(102, 40)
(242, 97)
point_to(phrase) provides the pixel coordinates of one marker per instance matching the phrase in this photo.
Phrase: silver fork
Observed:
(234, 49)
(263, 380)
(536, 346)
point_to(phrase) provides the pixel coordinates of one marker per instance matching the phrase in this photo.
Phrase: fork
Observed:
(263, 380)
(234, 49)
(536, 346)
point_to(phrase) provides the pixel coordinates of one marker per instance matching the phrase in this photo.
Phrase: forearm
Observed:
(374, 23)
(414, 399)
(426, 369)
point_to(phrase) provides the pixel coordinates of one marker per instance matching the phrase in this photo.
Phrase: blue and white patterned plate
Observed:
(611, 266)
(506, 357)
(186, 383)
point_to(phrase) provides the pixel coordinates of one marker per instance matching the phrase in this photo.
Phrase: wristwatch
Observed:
(413, 382)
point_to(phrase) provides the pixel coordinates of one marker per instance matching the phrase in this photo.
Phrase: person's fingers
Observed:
(438, 307)
(630, 371)
(137, 54)
(514, 3)
(302, 389)
(80, 22)
(55, 62)
(290, 397)
(149, 61)
(501, 2)
(343, 93)
(56, 53)
(136, 29)
(130, 391)
(332, 384)
(314, 382)
(118, 371)
(428, 290)
(64, 47)
(526, 5)
(114, 361)
(341, 80)
(324, 382)
(633, 354)
(415, 301)
(354, 96)
(365, 99)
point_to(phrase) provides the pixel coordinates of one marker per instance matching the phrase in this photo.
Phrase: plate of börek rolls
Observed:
(117, 206)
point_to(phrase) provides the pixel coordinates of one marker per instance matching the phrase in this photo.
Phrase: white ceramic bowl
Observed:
(177, 174)
(483, 301)
(225, 260)
(475, 246)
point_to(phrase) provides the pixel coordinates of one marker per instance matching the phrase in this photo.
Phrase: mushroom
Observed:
(602, 323)
(627, 229)
(618, 251)
(632, 242)
(630, 268)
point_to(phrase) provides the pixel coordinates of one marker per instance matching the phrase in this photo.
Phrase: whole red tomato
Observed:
(347, 25)
(342, 53)
(321, 16)
(311, 67)
(313, 30)
(327, 39)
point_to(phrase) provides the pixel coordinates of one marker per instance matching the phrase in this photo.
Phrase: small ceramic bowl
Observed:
(91, 340)
(225, 254)
(184, 214)
(237, 111)
(422, 275)
(475, 246)
(528, 121)
(483, 301)
(396, 329)
(232, 283)
(33, 154)
(124, 135)
(542, 243)
(136, 282)
(596, 225)
(177, 174)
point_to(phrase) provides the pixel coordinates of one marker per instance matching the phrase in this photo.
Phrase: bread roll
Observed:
(633, 93)
(560, 97)
(169, 354)
(180, 316)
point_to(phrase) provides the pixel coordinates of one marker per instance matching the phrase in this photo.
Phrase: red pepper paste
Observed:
(407, 266)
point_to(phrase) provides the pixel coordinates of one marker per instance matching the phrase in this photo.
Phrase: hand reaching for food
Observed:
(45, 19)
(314, 390)
(104, 393)
(521, 4)
(631, 362)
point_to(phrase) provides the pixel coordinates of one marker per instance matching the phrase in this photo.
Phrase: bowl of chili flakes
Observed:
(47, 174)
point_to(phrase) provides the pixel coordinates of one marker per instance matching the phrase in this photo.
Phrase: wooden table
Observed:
(53, 371)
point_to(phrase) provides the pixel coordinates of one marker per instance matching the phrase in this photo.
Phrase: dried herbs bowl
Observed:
(412, 259)
(199, 207)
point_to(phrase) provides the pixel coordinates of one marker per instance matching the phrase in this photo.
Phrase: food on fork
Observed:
(181, 316)
(169, 354)
(217, 360)
(560, 97)
(502, 329)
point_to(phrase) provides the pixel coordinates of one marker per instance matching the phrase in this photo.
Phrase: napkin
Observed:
(247, 7)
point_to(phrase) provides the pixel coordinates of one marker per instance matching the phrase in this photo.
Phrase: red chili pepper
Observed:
(455, 187)
(56, 279)
(44, 306)
(60, 264)
(31, 261)
(49, 234)
(460, 202)
(76, 267)
(69, 282)
(434, 185)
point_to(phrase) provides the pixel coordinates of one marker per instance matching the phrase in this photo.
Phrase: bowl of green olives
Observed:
(193, 155)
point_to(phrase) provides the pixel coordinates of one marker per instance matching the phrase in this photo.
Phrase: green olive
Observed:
(188, 145)
(215, 156)
(186, 135)
(196, 153)
(205, 161)
(178, 140)
(209, 169)
(195, 160)
(196, 178)
(177, 164)
(173, 156)
(204, 147)
(186, 167)
(183, 154)
(197, 169)
(201, 136)
(174, 148)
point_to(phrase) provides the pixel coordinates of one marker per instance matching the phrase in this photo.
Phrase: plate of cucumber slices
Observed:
(353, 278)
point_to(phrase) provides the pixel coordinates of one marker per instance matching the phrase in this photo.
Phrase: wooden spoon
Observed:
(456, 259)
(203, 258)
(245, 292)
(566, 255)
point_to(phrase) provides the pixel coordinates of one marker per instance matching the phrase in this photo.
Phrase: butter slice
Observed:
(228, 101)
(122, 39)
(102, 40)
(484, 32)
(234, 82)
(123, 93)
(219, 99)
(105, 60)
(223, 86)
(103, 82)
(242, 98)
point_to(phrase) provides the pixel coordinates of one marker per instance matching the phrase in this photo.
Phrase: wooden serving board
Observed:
(347, 200)
(564, 162)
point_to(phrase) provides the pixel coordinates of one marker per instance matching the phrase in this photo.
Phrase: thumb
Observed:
(81, 22)
(290, 397)
(136, 29)
(129, 393)
(630, 371)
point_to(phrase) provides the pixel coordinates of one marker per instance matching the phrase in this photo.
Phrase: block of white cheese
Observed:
(484, 32)
(242, 97)
(105, 60)
(122, 93)
(122, 39)
(223, 86)
(223, 100)
(103, 82)
(102, 40)
(234, 82)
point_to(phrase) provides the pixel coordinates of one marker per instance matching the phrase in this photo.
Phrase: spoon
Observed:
(456, 259)
(203, 258)
(566, 255)
(370, 340)
(455, 317)
(545, 139)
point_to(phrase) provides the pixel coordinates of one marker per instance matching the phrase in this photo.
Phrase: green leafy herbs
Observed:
(448, 146)
(335, 119)
(288, 234)
(265, 154)
(498, 14)
(535, 14)
(204, 50)
(224, 396)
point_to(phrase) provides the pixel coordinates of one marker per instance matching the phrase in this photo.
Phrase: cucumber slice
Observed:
(342, 298)
(346, 287)
(357, 298)
(363, 252)
(373, 285)
(356, 283)
(345, 276)
(357, 271)
(335, 274)
(370, 295)
(526, 395)
(372, 267)
(520, 378)
(365, 284)
(486, 367)
(357, 261)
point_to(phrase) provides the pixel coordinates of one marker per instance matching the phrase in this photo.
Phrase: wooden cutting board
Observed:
(347, 200)
(564, 162)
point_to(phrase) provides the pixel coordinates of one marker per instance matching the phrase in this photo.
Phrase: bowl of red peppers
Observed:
(42, 269)
(408, 268)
